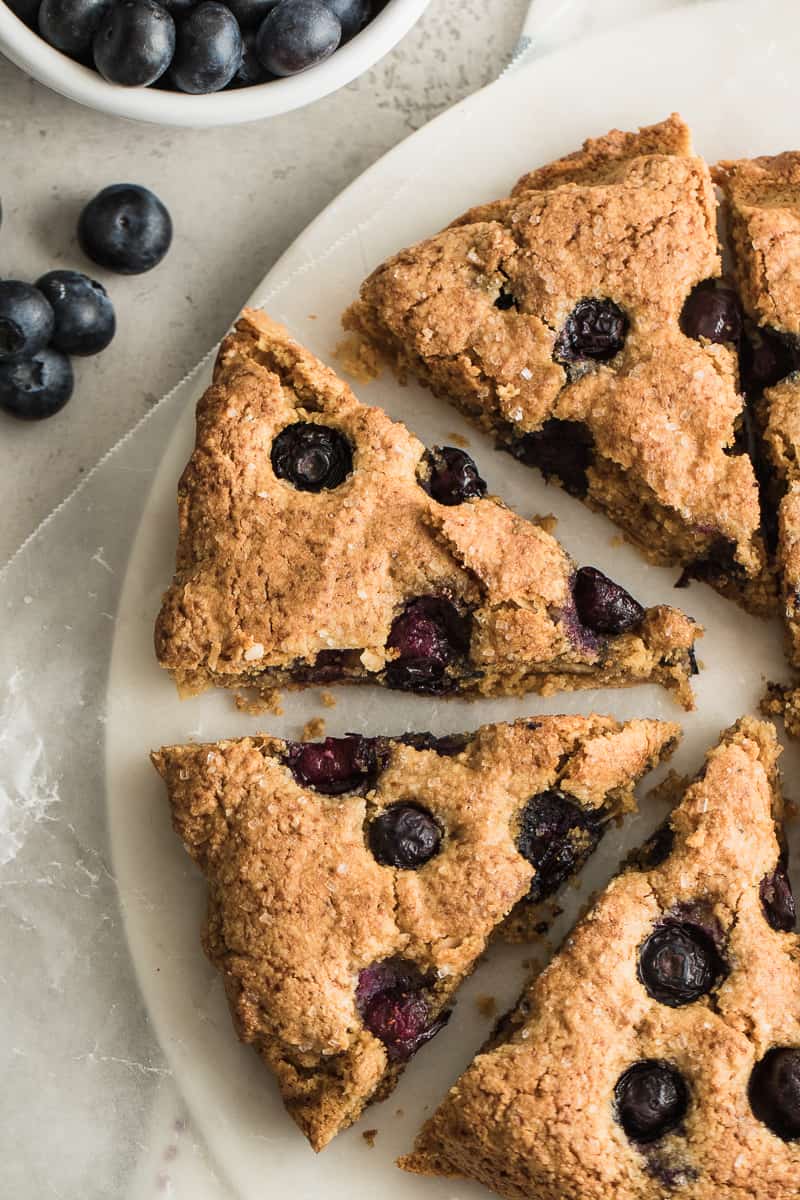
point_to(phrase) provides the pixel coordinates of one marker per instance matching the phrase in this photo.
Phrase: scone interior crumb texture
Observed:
(659, 1053)
(354, 882)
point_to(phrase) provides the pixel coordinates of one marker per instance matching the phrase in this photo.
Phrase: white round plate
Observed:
(732, 72)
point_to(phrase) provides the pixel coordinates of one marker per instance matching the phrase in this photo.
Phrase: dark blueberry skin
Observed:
(505, 300)
(37, 387)
(656, 850)
(405, 836)
(775, 1092)
(208, 49)
(125, 228)
(765, 358)
(134, 43)
(353, 15)
(334, 766)
(561, 450)
(594, 330)
(296, 35)
(556, 837)
(312, 457)
(678, 964)
(70, 25)
(428, 635)
(26, 10)
(179, 8)
(250, 13)
(84, 315)
(448, 746)
(453, 476)
(251, 70)
(712, 312)
(603, 606)
(651, 1099)
(391, 999)
(777, 899)
(26, 320)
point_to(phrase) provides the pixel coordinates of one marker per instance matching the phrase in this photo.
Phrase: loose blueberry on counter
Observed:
(125, 228)
(603, 606)
(353, 15)
(774, 1092)
(70, 25)
(26, 320)
(765, 357)
(453, 476)
(428, 635)
(561, 450)
(556, 837)
(391, 1000)
(712, 312)
(208, 49)
(134, 43)
(297, 35)
(595, 329)
(777, 899)
(84, 315)
(37, 387)
(651, 1100)
(311, 457)
(405, 836)
(679, 963)
(334, 766)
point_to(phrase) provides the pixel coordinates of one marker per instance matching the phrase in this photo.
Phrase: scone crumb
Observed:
(358, 358)
(369, 1136)
(546, 521)
(486, 1006)
(328, 699)
(458, 439)
(260, 703)
(313, 730)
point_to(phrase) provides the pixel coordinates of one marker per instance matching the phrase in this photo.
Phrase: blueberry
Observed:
(312, 457)
(251, 70)
(70, 25)
(556, 837)
(656, 850)
(26, 10)
(405, 836)
(84, 315)
(328, 667)
(595, 329)
(37, 387)
(712, 312)
(765, 357)
(603, 606)
(453, 476)
(775, 1092)
(505, 300)
(178, 8)
(297, 35)
(447, 746)
(125, 228)
(391, 999)
(26, 320)
(250, 13)
(777, 899)
(208, 49)
(353, 15)
(679, 963)
(134, 43)
(334, 766)
(561, 450)
(651, 1099)
(428, 635)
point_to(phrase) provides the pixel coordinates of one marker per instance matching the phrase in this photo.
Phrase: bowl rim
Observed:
(32, 54)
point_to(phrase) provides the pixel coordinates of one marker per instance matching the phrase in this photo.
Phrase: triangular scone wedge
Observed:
(319, 541)
(353, 883)
(659, 1053)
(554, 319)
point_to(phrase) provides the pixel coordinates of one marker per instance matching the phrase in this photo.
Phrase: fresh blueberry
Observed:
(84, 315)
(712, 312)
(334, 766)
(177, 9)
(777, 899)
(392, 1002)
(297, 35)
(595, 329)
(427, 635)
(561, 450)
(679, 963)
(765, 357)
(250, 13)
(405, 836)
(775, 1091)
(651, 1099)
(37, 387)
(70, 25)
(26, 10)
(453, 476)
(556, 837)
(603, 606)
(134, 43)
(208, 49)
(353, 15)
(312, 457)
(125, 228)
(251, 70)
(447, 746)
(26, 320)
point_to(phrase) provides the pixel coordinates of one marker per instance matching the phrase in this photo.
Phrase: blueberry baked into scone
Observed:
(582, 321)
(320, 542)
(354, 882)
(659, 1053)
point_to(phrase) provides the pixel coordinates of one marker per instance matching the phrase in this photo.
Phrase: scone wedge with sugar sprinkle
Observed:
(320, 541)
(354, 882)
(659, 1054)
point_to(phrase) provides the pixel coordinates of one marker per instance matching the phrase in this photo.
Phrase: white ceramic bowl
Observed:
(34, 56)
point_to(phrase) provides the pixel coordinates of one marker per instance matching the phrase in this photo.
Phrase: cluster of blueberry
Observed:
(126, 229)
(196, 47)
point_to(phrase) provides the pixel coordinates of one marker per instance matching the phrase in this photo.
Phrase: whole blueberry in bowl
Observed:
(208, 49)
(134, 43)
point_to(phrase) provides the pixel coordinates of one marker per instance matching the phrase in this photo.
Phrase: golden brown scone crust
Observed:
(533, 1117)
(298, 905)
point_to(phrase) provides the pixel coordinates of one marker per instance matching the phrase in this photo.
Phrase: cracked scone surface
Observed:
(277, 586)
(478, 313)
(300, 908)
(534, 1116)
